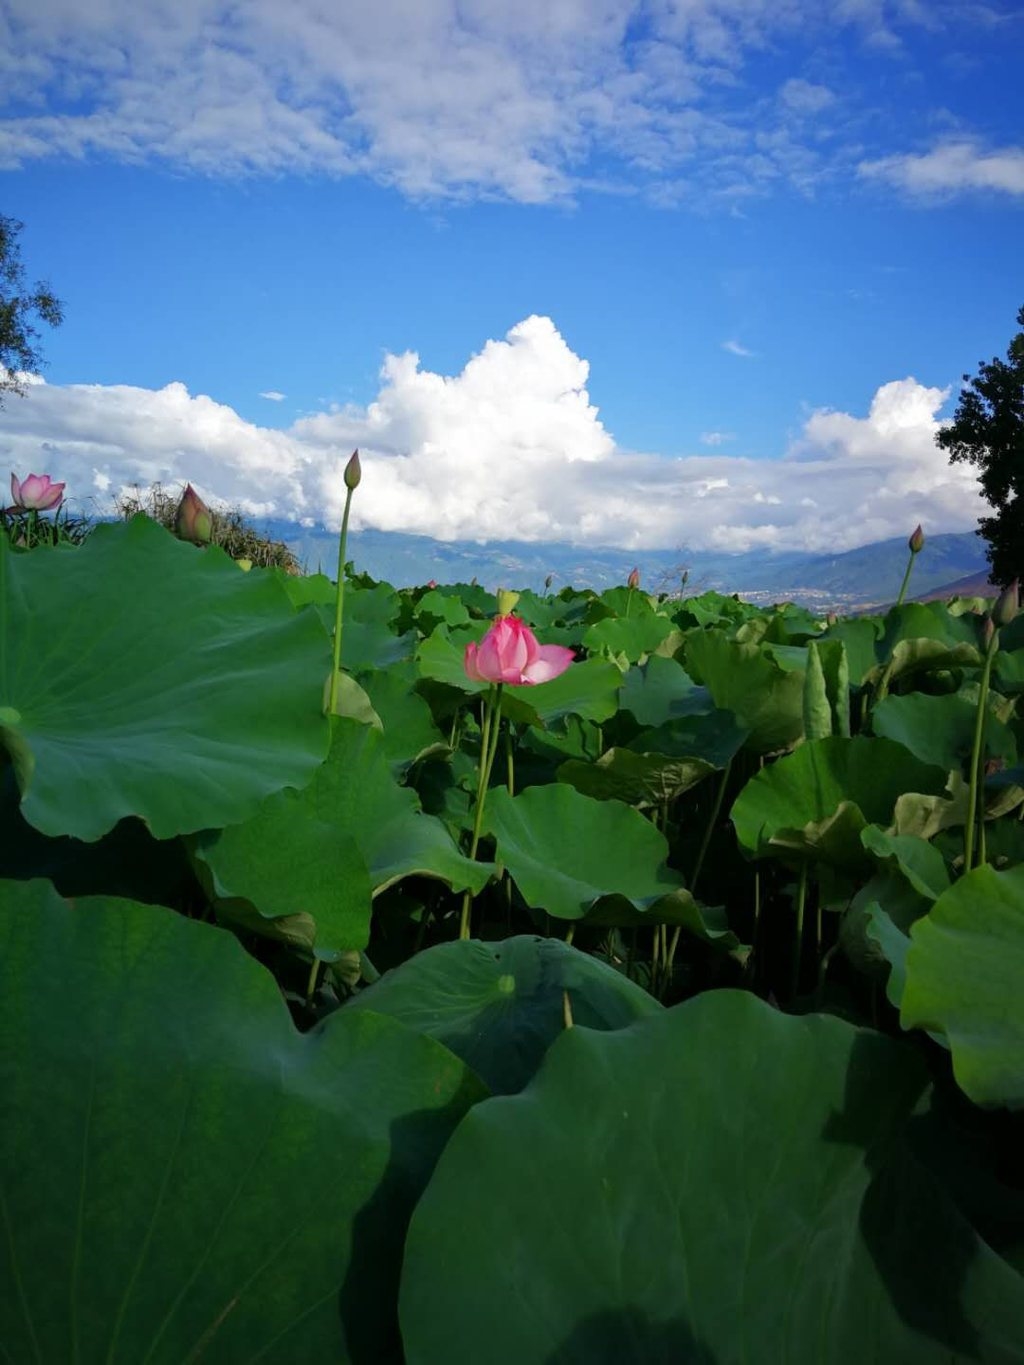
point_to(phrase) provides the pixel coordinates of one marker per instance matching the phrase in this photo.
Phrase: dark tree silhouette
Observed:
(988, 431)
(19, 305)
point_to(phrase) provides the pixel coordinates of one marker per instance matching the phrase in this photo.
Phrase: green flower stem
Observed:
(490, 729)
(709, 829)
(798, 937)
(339, 602)
(906, 578)
(978, 753)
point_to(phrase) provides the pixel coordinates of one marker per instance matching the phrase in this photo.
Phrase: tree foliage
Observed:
(19, 305)
(988, 431)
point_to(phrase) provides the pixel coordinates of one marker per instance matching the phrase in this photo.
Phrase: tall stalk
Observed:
(490, 729)
(353, 474)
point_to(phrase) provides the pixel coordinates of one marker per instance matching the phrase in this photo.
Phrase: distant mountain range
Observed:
(867, 576)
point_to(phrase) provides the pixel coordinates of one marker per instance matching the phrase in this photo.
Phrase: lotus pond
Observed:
(712, 1052)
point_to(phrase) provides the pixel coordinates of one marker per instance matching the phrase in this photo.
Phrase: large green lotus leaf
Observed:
(810, 784)
(860, 637)
(369, 639)
(766, 699)
(440, 605)
(718, 1183)
(145, 677)
(589, 690)
(184, 1176)
(632, 637)
(660, 764)
(409, 729)
(323, 851)
(940, 730)
(637, 779)
(564, 851)
(920, 862)
(658, 690)
(440, 656)
(500, 1006)
(964, 972)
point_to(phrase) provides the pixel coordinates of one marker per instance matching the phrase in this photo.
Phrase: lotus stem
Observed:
(798, 938)
(978, 753)
(339, 602)
(906, 578)
(705, 842)
(490, 728)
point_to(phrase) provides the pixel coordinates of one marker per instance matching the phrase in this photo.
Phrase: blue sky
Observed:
(776, 233)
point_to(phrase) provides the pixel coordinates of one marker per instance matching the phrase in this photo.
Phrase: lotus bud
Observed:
(916, 541)
(1007, 605)
(633, 581)
(548, 581)
(353, 471)
(193, 520)
(506, 602)
(685, 578)
(432, 583)
(988, 633)
(36, 493)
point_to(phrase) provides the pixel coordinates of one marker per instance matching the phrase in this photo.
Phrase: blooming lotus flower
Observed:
(193, 520)
(509, 653)
(37, 493)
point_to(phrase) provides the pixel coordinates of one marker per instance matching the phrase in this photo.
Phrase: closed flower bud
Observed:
(1007, 605)
(193, 520)
(988, 632)
(549, 580)
(916, 542)
(353, 471)
(633, 581)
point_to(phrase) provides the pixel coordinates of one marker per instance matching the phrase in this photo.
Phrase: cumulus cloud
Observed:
(511, 448)
(952, 168)
(517, 98)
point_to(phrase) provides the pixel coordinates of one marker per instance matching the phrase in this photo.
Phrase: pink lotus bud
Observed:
(353, 471)
(37, 493)
(193, 519)
(1007, 605)
(916, 542)
(509, 653)
(432, 583)
(633, 581)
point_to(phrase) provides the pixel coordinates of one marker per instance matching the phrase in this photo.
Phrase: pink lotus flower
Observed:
(509, 653)
(37, 493)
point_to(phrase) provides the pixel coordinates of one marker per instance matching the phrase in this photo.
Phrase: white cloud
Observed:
(734, 348)
(716, 438)
(522, 99)
(511, 448)
(804, 97)
(273, 396)
(952, 168)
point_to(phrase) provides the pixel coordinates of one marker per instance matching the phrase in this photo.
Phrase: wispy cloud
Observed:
(952, 168)
(476, 456)
(519, 99)
(273, 396)
(716, 438)
(734, 348)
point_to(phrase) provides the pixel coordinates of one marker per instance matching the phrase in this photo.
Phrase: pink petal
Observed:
(552, 661)
(469, 664)
(15, 489)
